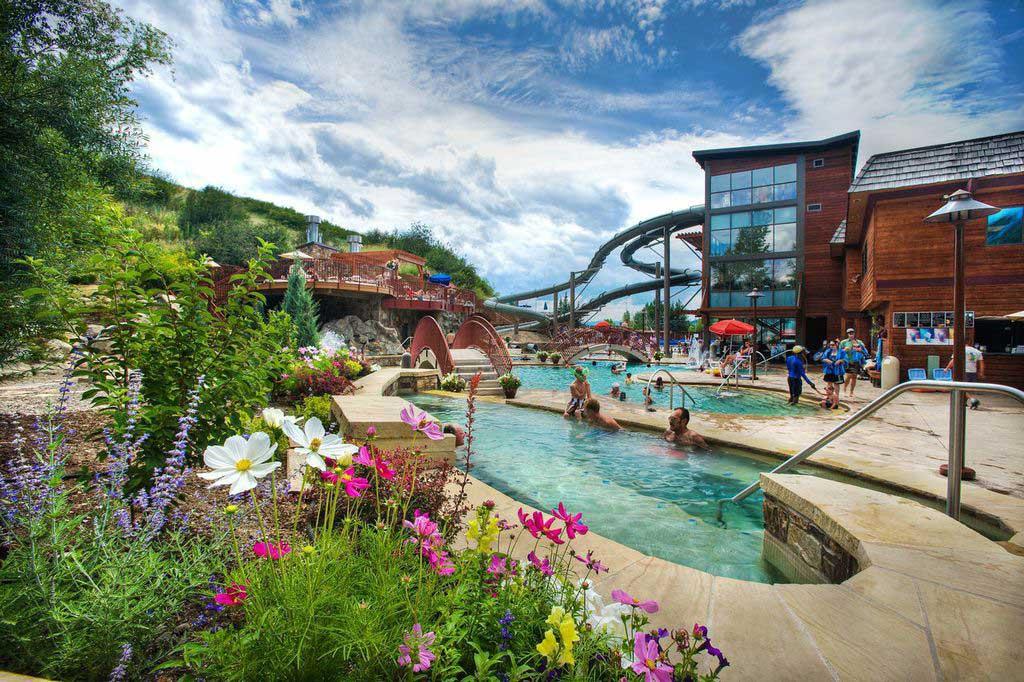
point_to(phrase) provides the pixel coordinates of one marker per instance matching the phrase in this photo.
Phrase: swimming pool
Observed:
(631, 487)
(706, 398)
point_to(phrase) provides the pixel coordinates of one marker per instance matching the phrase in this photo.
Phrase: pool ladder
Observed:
(671, 391)
(958, 391)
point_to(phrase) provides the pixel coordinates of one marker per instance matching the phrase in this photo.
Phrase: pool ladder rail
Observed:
(957, 432)
(735, 370)
(671, 390)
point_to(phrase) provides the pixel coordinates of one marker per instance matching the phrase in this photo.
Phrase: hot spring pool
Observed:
(631, 487)
(706, 398)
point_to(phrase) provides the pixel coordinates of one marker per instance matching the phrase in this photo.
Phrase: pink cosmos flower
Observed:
(646, 662)
(267, 549)
(421, 422)
(498, 565)
(363, 457)
(573, 526)
(430, 542)
(329, 476)
(384, 470)
(419, 642)
(421, 525)
(371, 431)
(650, 606)
(537, 525)
(234, 595)
(542, 566)
(591, 563)
(353, 485)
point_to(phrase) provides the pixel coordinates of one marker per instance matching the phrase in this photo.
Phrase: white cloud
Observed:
(905, 73)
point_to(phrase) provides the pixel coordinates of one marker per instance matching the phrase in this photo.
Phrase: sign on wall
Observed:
(930, 336)
(939, 319)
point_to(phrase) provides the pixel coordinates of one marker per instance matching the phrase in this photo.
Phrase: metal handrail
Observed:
(671, 390)
(957, 428)
(736, 368)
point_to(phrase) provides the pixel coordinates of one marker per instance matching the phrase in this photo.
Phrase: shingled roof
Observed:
(994, 155)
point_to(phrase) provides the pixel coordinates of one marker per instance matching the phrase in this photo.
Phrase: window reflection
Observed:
(759, 186)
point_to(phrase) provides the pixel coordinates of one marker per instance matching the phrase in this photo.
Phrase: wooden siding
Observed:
(910, 266)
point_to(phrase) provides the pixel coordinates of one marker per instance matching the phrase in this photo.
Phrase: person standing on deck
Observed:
(795, 366)
(974, 369)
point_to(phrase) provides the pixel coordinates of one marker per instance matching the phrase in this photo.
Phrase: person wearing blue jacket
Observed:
(795, 365)
(833, 365)
(855, 357)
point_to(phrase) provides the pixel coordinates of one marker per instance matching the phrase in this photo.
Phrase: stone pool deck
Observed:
(901, 447)
(932, 599)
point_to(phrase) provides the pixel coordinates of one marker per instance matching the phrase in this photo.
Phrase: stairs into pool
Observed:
(469, 361)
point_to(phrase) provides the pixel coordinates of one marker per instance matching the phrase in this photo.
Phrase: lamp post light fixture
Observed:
(754, 296)
(960, 207)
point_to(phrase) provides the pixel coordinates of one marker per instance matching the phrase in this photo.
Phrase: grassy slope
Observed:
(158, 206)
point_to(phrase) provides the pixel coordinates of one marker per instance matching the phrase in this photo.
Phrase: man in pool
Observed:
(679, 432)
(579, 393)
(616, 390)
(629, 378)
(592, 415)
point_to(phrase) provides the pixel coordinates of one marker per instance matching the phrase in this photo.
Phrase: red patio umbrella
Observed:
(603, 323)
(731, 328)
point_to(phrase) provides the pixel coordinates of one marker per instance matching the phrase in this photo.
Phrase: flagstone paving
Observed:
(915, 611)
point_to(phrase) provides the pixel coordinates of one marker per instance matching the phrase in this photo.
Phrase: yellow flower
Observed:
(567, 629)
(486, 538)
(548, 647)
(555, 619)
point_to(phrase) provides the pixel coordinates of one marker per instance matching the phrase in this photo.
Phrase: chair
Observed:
(917, 374)
(942, 374)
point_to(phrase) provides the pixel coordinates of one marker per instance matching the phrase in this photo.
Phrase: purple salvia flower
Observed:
(169, 479)
(121, 670)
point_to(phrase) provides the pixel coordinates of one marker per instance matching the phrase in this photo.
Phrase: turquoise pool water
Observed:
(731, 400)
(632, 487)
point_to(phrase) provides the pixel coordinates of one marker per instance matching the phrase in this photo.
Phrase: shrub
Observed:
(509, 381)
(177, 332)
(453, 382)
(658, 355)
(318, 371)
(318, 406)
(299, 304)
(555, 357)
(94, 583)
(542, 356)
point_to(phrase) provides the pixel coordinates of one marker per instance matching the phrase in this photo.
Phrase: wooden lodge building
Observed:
(830, 250)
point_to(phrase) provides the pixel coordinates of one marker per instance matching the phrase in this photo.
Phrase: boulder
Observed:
(355, 332)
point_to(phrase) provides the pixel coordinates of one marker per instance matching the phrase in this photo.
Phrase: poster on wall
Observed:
(929, 336)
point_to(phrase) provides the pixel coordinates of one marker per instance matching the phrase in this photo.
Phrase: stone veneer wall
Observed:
(800, 549)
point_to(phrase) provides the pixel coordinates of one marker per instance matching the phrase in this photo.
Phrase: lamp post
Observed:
(960, 207)
(754, 296)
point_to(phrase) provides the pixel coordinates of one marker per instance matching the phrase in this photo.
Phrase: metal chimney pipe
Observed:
(355, 243)
(312, 228)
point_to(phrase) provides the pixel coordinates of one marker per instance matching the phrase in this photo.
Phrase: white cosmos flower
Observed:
(240, 462)
(315, 443)
(274, 417)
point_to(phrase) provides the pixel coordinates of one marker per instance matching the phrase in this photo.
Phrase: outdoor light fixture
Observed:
(960, 207)
(754, 296)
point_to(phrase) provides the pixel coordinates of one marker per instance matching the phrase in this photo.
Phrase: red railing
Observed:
(477, 332)
(570, 342)
(428, 335)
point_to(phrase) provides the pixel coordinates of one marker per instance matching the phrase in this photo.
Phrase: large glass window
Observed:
(759, 186)
(748, 232)
(775, 278)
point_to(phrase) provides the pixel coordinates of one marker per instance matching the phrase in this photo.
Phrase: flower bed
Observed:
(357, 575)
(319, 371)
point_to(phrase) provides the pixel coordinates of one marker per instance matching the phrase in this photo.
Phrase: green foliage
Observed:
(170, 328)
(300, 306)
(509, 380)
(235, 242)
(542, 356)
(209, 207)
(318, 406)
(453, 382)
(554, 358)
(440, 257)
(67, 127)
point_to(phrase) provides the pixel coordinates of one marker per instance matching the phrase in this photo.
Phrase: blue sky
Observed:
(526, 132)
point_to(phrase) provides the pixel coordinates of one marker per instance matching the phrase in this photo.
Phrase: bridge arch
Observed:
(625, 351)
(429, 349)
(478, 332)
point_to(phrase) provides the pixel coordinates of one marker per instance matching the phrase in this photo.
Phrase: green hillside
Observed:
(226, 227)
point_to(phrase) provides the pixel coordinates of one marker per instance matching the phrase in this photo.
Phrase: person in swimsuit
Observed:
(592, 415)
(679, 432)
(579, 393)
(648, 400)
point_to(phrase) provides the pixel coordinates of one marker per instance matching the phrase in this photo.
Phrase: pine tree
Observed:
(299, 304)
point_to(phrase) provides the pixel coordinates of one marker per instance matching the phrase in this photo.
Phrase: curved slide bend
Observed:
(631, 239)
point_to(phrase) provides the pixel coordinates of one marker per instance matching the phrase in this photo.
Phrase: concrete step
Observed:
(490, 391)
(490, 374)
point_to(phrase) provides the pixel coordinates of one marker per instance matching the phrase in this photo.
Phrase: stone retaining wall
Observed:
(800, 549)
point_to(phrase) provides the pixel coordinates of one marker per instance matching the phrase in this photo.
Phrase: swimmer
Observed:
(629, 378)
(659, 383)
(616, 390)
(678, 430)
(648, 400)
(592, 414)
(455, 430)
(579, 393)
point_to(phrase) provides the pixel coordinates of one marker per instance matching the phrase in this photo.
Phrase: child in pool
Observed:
(579, 393)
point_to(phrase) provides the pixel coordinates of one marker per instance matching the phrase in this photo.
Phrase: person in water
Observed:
(592, 415)
(679, 431)
(579, 393)
(648, 400)
(616, 390)
(659, 383)
(455, 430)
(629, 378)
